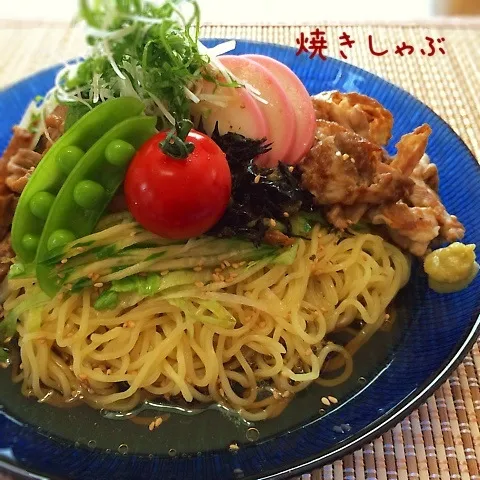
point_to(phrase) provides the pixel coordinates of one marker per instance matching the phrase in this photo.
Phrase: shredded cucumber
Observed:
(21, 270)
(141, 264)
(300, 226)
(287, 257)
(33, 301)
(34, 320)
(203, 313)
(303, 223)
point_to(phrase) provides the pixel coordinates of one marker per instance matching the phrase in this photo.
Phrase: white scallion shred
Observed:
(50, 101)
(126, 89)
(108, 53)
(217, 100)
(31, 110)
(191, 95)
(161, 107)
(222, 48)
(95, 87)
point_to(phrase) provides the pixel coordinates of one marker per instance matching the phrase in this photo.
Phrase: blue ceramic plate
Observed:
(393, 374)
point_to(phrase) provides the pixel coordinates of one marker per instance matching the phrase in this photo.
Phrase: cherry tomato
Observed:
(178, 198)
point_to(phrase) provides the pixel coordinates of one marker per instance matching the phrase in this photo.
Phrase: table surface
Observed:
(442, 438)
(271, 11)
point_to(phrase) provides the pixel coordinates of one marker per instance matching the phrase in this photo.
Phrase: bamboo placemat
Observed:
(440, 440)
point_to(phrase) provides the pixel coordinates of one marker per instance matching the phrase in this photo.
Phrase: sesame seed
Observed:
(257, 179)
(197, 268)
(326, 401)
(338, 154)
(235, 265)
(109, 371)
(217, 270)
(272, 222)
(345, 156)
(165, 272)
(64, 260)
(286, 394)
(290, 169)
(4, 364)
(332, 399)
(151, 426)
(286, 214)
(234, 275)
(233, 447)
(227, 263)
(98, 285)
(199, 284)
(7, 340)
(387, 316)
(158, 421)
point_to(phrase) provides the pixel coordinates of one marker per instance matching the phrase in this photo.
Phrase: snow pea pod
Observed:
(86, 193)
(39, 194)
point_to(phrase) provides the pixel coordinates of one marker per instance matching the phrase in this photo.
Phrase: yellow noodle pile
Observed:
(115, 359)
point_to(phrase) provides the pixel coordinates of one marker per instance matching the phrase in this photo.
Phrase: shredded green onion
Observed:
(107, 300)
(139, 49)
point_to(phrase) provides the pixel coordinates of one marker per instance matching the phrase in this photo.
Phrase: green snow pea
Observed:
(38, 196)
(86, 193)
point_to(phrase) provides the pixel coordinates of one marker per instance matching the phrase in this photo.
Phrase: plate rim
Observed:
(387, 420)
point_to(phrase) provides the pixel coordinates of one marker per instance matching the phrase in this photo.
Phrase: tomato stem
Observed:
(175, 144)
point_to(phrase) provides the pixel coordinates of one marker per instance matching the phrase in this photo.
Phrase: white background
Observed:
(254, 11)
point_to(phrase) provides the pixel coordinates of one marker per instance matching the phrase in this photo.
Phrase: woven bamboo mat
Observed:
(440, 440)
